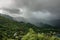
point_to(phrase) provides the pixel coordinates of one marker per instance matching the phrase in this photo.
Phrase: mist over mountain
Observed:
(29, 19)
(32, 11)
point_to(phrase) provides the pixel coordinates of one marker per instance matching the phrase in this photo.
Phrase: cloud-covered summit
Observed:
(33, 11)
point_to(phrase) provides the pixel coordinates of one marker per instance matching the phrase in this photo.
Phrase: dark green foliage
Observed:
(10, 29)
(32, 35)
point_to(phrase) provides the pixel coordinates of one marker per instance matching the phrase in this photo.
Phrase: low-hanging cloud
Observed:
(32, 11)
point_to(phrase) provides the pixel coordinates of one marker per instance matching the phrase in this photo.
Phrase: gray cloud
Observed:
(33, 11)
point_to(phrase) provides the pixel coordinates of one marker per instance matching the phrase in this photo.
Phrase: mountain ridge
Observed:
(6, 22)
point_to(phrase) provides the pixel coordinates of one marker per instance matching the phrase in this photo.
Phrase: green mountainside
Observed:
(10, 28)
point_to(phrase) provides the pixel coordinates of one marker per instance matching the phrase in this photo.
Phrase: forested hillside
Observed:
(13, 30)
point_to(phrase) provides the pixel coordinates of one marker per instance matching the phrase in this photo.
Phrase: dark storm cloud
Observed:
(11, 10)
(39, 4)
(33, 11)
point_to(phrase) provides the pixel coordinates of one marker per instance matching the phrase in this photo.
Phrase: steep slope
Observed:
(10, 25)
(10, 28)
(13, 25)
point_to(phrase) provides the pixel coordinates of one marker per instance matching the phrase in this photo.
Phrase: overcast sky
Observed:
(33, 11)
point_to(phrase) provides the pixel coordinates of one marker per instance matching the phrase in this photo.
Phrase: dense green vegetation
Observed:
(12, 30)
